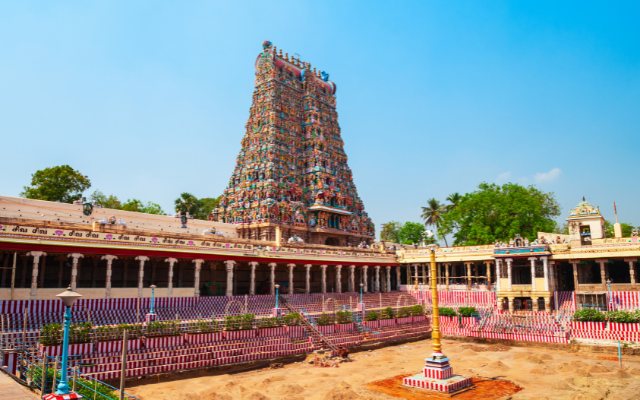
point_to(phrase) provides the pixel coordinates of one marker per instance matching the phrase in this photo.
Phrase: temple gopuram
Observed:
(291, 181)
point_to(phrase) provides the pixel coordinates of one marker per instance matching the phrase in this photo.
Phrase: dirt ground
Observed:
(541, 372)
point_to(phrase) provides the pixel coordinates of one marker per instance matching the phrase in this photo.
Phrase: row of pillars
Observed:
(426, 273)
(377, 286)
(230, 266)
(603, 274)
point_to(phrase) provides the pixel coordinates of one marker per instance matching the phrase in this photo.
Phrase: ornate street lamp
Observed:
(152, 304)
(609, 293)
(276, 310)
(63, 391)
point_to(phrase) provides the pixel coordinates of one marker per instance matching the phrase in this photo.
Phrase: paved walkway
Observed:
(12, 390)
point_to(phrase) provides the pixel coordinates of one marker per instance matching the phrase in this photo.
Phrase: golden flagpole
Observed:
(435, 312)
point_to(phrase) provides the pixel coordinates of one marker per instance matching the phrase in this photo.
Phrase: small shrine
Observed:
(291, 178)
(586, 223)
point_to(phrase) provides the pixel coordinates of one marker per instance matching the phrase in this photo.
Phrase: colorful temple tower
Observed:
(291, 181)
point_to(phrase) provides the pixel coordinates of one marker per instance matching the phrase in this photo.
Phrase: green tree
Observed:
(152, 208)
(100, 199)
(412, 233)
(136, 205)
(206, 206)
(626, 229)
(433, 215)
(493, 213)
(60, 183)
(454, 200)
(389, 232)
(188, 203)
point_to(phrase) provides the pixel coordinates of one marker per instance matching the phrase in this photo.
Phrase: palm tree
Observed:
(187, 203)
(433, 214)
(454, 200)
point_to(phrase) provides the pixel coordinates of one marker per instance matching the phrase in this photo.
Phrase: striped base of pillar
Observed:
(453, 384)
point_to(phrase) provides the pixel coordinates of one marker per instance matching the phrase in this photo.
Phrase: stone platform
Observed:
(438, 375)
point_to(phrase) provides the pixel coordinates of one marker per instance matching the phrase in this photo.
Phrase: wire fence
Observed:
(43, 374)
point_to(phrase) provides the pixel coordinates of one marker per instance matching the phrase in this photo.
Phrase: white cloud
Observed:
(549, 176)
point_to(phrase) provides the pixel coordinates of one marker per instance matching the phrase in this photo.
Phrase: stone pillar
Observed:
(107, 283)
(338, 278)
(447, 267)
(196, 277)
(498, 273)
(603, 273)
(252, 278)
(576, 281)
(397, 268)
(377, 281)
(424, 274)
(365, 288)
(141, 260)
(307, 279)
(172, 261)
(510, 300)
(388, 276)
(272, 278)
(547, 304)
(532, 260)
(488, 267)
(408, 274)
(632, 270)
(230, 265)
(74, 268)
(34, 272)
(510, 282)
(291, 268)
(468, 270)
(545, 269)
(324, 278)
(352, 278)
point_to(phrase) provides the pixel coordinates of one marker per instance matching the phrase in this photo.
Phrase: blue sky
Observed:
(149, 98)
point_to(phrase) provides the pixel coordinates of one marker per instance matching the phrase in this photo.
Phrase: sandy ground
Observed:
(542, 373)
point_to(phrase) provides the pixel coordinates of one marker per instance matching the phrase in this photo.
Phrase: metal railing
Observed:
(43, 374)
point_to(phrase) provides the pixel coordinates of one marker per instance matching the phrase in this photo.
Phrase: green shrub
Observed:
(467, 311)
(416, 310)
(387, 313)
(372, 316)
(344, 317)
(207, 326)
(589, 315)
(623, 316)
(51, 334)
(404, 312)
(162, 328)
(270, 322)
(292, 319)
(447, 312)
(324, 319)
(134, 330)
(239, 322)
